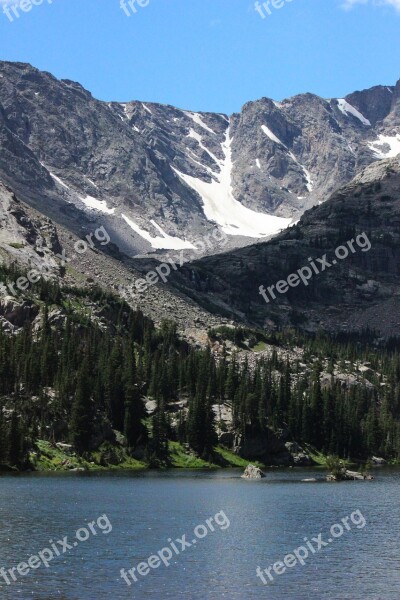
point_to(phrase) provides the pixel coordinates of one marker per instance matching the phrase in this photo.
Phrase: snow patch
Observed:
(258, 163)
(348, 109)
(64, 185)
(198, 120)
(271, 135)
(146, 108)
(124, 106)
(92, 182)
(99, 205)
(392, 141)
(196, 136)
(194, 159)
(221, 207)
(128, 116)
(166, 242)
(310, 183)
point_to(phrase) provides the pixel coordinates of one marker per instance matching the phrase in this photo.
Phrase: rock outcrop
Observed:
(253, 472)
(299, 456)
(349, 476)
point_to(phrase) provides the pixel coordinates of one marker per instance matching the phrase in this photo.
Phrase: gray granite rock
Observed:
(61, 147)
(253, 472)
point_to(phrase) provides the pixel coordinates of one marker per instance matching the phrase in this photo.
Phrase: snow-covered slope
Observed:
(221, 207)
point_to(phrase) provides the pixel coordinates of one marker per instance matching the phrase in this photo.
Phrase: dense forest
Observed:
(66, 380)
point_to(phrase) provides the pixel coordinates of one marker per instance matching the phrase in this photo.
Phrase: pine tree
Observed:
(15, 441)
(81, 423)
(134, 408)
(160, 434)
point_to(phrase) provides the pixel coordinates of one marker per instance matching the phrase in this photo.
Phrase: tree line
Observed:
(70, 381)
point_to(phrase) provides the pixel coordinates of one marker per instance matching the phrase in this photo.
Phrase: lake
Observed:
(212, 528)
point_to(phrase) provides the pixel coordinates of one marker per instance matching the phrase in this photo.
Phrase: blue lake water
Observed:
(268, 520)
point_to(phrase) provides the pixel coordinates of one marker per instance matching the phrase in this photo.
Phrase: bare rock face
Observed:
(148, 171)
(356, 293)
(252, 472)
(17, 312)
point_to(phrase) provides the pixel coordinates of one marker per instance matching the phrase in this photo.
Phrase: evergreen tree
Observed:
(81, 423)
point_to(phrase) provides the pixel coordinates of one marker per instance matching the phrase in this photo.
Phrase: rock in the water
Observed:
(252, 472)
(346, 475)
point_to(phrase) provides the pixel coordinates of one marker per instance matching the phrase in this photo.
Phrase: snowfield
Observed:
(393, 141)
(348, 109)
(99, 205)
(221, 207)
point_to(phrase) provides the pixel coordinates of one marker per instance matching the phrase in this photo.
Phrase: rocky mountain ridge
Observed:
(160, 178)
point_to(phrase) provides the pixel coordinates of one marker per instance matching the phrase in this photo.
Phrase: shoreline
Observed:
(49, 458)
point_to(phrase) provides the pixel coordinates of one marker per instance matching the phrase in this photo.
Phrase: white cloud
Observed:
(350, 3)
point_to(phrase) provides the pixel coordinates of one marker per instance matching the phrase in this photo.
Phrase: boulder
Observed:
(66, 448)
(299, 456)
(252, 472)
(17, 312)
(151, 406)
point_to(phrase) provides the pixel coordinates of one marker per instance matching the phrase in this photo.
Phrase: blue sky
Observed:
(210, 55)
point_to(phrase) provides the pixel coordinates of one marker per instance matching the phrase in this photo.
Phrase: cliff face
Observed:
(354, 292)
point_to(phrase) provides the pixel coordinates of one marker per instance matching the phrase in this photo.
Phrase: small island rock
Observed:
(253, 472)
